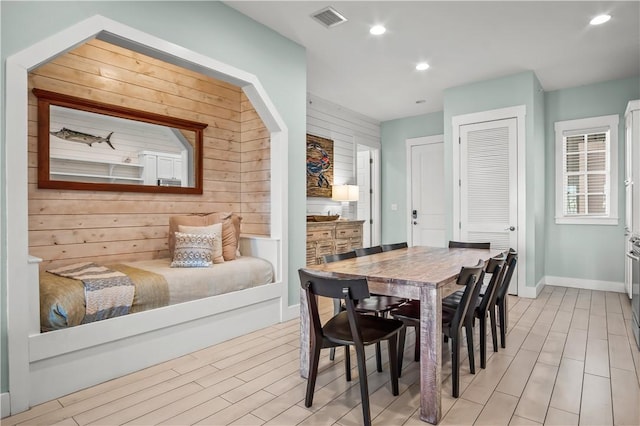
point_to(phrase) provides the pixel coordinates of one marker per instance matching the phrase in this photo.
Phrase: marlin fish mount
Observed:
(77, 136)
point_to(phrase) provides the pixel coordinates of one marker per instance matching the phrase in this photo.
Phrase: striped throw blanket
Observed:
(108, 293)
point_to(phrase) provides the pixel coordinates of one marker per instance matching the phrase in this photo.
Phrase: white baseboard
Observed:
(615, 286)
(5, 405)
(532, 292)
(291, 312)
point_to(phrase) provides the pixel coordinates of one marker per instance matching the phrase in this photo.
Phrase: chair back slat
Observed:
(495, 267)
(328, 258)
(512, 260)
(332, 287)
(394, 246)
(472, 276)
(464, 244)
(366, 251)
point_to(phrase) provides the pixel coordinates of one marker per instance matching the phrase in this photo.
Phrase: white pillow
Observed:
(214, 230)
(192, 251)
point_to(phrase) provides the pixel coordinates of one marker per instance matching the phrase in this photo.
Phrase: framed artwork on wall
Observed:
(319, 166)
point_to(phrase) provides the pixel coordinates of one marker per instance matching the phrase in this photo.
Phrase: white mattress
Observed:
(187, 284)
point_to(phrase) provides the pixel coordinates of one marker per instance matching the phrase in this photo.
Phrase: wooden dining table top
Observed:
(414, 266)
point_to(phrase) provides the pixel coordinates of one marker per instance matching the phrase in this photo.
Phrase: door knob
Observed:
(510, 228)
(415, 223)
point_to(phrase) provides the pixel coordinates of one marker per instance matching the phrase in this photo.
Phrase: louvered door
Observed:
(488, 183)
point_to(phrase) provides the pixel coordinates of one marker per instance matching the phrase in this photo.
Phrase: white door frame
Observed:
(376, 185)
(518, 112)
(410, 143)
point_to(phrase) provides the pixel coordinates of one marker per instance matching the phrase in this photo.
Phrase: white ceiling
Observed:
(464, 42)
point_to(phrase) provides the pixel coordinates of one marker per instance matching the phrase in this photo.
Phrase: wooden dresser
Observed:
(332, 237)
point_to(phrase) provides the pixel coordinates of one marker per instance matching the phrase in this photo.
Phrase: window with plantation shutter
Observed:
(586, 171)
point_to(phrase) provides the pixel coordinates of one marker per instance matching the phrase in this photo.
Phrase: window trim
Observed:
(582, 126)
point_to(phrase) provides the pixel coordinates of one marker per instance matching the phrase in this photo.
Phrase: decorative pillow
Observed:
(214, 230)
(187, 220)
(192, 250)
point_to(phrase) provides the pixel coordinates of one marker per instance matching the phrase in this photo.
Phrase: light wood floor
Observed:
(570, 359)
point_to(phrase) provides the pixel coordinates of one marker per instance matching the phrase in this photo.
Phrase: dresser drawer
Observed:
(318, 233)
(348, 232)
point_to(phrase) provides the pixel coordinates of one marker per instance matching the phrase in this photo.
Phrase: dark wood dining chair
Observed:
(347, 328)
(482, 306)
(464, 244)
(452, 322)
(394, 246)
(377, 304)
(502, 295)
(366, 251)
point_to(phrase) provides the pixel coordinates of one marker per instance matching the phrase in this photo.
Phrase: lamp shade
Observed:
(344, 193)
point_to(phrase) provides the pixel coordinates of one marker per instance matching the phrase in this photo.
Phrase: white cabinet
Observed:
(632, 181)
(162, 168)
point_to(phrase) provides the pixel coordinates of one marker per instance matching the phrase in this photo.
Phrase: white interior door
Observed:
(489, 185)
(363, 179)
(426, 207)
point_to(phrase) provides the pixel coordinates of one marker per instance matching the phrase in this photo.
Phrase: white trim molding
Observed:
(586, 284)
(519, 113)
(581, 127)
(33, 381)
(5, 404)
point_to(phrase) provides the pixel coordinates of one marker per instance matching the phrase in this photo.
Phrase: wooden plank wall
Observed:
(71, 226)
(347, 129)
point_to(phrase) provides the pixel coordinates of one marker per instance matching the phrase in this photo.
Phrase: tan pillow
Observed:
(187, 220)
(230, 233)
(213, 230)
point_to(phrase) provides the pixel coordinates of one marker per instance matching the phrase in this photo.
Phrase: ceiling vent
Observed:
(329, 17)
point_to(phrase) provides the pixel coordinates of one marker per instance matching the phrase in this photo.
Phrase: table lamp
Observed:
(344, 194)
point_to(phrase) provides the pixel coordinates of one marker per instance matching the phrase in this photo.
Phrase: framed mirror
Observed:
(88, 145)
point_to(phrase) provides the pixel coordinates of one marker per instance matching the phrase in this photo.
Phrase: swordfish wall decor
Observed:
(319, 166)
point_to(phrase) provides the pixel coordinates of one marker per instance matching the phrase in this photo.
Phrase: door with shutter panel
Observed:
(488, 185)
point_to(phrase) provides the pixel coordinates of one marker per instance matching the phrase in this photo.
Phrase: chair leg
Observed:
(393, 364)
(469, 332)
(455, 366)
(364, 386)
(494, 329)
(483, 341)
(503, 322)
(347, 363)
(313, 374)
(336, 310)
(401, 337)
(378, 351)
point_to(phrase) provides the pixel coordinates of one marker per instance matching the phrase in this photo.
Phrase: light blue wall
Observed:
(394, 133)
(509, 91)
(210, 28)
(592, 252)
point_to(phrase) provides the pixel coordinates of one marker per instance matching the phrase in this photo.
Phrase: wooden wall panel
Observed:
(73, 226)
(255, 166)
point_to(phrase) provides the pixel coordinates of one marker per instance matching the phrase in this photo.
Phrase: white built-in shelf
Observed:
(96, 169)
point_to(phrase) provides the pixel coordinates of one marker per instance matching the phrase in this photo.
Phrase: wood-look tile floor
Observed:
(570, 359)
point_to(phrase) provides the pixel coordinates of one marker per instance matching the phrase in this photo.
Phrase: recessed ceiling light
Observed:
(422, 66)
(600, 19)
(377, 30)
(421, 101)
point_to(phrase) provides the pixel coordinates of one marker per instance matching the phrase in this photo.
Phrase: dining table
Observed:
(420, 273)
